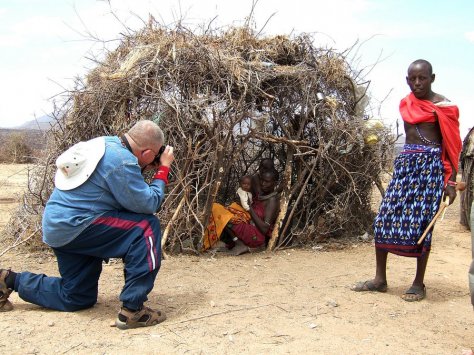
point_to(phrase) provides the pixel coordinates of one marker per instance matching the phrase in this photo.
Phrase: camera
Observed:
(156, 161)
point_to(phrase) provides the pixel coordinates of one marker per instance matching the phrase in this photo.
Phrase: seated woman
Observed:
(233, 226)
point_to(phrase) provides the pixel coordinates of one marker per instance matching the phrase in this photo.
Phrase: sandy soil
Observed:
(291, 301)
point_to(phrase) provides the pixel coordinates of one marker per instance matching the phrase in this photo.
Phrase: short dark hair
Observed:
(266, 164)
(425, 62)
(245, 177)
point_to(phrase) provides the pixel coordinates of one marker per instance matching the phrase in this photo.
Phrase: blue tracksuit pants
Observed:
(136, 238)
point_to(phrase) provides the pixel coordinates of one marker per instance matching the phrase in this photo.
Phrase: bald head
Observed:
(422, 62)
(146, 133)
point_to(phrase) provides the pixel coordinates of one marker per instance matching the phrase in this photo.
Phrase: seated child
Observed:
(244, 196)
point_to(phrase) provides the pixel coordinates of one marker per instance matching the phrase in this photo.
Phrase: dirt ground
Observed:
(293, 301)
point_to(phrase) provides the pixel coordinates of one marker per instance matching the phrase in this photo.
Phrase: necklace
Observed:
(424, 139)
(266, 197)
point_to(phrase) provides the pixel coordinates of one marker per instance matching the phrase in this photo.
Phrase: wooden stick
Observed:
(170, 223)
(460, 186)
(433, 221)
(284, 201)
(223, 312)
(21, 242)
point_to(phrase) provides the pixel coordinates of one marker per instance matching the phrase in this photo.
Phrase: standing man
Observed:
(467, 204)
(101, 207)
(471, 268)
(425, 169)
(467, 168)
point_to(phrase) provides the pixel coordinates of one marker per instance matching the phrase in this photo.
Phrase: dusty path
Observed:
(293, 301)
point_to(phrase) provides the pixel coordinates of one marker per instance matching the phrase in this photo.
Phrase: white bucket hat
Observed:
(78, 163)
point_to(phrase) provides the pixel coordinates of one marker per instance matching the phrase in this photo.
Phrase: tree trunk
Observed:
(284, 200)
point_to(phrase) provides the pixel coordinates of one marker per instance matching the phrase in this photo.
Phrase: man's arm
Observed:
(130, 190)
(450, 189)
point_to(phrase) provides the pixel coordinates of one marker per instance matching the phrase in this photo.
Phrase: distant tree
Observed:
(14, 149)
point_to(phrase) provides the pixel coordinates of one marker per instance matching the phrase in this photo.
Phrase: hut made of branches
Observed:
(226, 99)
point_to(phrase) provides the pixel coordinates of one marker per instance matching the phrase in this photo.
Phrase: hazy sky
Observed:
(44, 45)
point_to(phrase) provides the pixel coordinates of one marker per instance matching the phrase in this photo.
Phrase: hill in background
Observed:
(42, 123)
(32, 133)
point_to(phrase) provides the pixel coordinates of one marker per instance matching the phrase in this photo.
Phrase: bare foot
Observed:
(222, 247)
(369, 285)
(414, 293)
(240, 248)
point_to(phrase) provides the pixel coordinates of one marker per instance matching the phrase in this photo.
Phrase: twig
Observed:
(72, 347)
(17, 244)
(220, 313)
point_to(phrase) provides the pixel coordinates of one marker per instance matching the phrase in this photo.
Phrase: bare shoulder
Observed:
(274, 201)
(437, 98)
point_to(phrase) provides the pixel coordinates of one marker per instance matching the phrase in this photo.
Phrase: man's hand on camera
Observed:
(167, 157)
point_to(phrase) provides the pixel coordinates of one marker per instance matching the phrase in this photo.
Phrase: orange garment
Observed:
(218, 219)
(416, 111)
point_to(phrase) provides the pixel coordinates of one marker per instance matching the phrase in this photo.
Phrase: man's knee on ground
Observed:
(76, 306)
(75, 301)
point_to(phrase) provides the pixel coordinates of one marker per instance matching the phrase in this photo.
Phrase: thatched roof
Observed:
(225, 99)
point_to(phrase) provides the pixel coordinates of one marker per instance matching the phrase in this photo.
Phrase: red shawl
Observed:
(415, 111)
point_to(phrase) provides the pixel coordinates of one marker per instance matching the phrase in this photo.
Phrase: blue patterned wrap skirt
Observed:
(412, 199)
